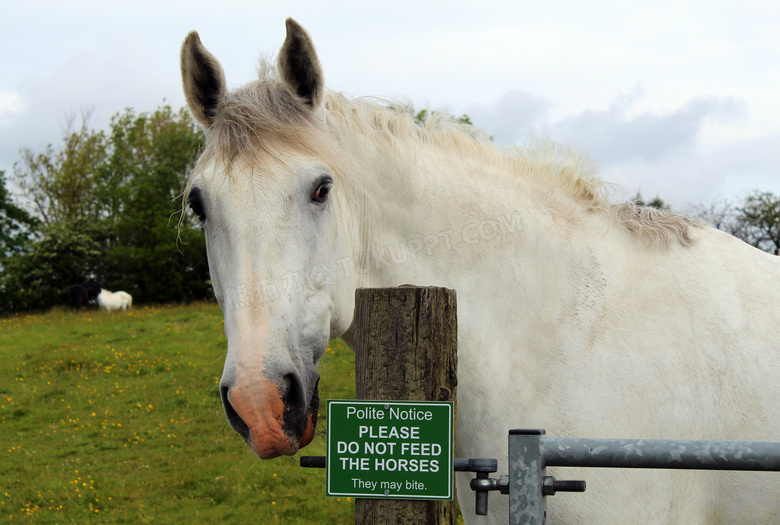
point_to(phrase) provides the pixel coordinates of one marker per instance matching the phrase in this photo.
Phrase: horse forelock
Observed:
(257, 121)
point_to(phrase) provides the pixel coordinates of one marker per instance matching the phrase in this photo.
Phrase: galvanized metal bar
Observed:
(527, 504)
(661, 454)
(530, 452)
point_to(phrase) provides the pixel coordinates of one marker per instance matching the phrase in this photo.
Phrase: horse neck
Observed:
(427, 221)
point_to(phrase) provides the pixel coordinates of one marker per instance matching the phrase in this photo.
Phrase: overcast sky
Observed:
(671, 98)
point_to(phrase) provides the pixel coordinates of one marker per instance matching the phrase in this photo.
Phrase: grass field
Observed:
(116, 418)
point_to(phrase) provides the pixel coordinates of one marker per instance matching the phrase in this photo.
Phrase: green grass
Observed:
(116, 418)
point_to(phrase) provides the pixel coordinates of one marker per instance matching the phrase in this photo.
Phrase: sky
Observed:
(676, 99)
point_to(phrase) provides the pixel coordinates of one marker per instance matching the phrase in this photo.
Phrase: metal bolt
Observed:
(503, 484)
(550, 485)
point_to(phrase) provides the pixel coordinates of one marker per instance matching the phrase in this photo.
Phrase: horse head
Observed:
(264, 191)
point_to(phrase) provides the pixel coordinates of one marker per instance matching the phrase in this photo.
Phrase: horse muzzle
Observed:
(274, 418)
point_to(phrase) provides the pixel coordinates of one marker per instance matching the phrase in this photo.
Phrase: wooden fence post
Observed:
(406, 343)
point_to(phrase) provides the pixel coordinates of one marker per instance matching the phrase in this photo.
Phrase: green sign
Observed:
(390, 449)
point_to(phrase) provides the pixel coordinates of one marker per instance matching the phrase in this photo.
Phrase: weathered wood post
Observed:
(406, 342)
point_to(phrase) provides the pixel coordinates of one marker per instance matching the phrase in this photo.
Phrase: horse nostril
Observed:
(293, 390)
(233, 418)
(295, 407)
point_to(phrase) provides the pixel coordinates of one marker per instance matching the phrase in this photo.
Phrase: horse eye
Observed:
(321, 193)
(196, 205)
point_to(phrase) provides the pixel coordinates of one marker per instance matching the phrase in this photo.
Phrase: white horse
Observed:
(114, 301)
(577, 316)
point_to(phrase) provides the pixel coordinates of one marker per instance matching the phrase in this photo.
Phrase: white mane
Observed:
(255, 120)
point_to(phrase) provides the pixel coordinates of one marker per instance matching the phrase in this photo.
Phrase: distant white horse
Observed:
(574, 315)
(114, 301)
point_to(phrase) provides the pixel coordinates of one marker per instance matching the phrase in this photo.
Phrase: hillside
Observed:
(116, 418)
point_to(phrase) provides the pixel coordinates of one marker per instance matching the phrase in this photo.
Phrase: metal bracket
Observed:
(483, 484)
(529, 484)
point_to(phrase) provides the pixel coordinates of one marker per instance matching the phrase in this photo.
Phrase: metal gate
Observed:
(530, 452)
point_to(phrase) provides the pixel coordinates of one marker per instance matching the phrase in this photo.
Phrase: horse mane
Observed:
(254, 121)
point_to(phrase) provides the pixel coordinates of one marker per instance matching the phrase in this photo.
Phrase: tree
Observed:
(39, 278)
(656, 202)
(720, 214)
(422, 115)
(15, 224)
(150, 256)
(758, 221)
(110, 203)
(62, 183)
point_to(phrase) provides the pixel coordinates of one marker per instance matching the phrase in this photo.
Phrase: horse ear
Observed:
(203, 79)
(299, 65)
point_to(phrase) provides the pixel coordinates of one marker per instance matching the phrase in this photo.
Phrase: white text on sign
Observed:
(399, 414)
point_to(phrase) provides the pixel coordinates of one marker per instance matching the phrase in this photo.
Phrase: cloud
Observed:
(511, 118)
(700, 173)
(663, 153)
(38, 111)
(617, 134)
(11, 103)
(744, 165)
